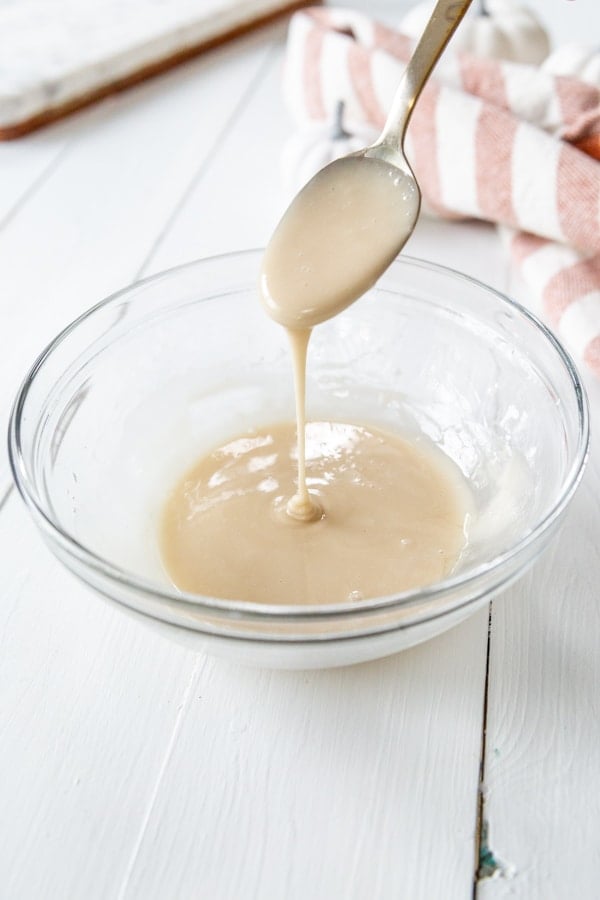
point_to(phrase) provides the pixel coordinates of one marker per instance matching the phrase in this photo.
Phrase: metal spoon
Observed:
(444, 20)
(344, 228)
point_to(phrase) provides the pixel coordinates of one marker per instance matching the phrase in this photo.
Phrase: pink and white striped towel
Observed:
(507, 143)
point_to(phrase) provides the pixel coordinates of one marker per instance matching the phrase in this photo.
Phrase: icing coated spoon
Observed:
(344, 228)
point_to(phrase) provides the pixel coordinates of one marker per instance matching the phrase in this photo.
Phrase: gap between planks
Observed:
(254, 84)
(480, 805)
(5, 496)
(199, 662)
(36, 183)
(481, 824)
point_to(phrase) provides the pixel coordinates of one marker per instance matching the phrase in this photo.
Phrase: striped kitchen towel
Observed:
(507, 143)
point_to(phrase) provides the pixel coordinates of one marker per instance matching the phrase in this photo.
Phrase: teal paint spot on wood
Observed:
(489, 866)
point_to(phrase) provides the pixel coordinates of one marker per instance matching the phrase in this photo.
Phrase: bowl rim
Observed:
(300, 612)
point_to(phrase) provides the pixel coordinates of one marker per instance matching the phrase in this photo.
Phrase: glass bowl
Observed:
(135, 390)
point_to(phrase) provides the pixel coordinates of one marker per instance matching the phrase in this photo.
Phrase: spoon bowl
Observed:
(338, 237)
(347, 225)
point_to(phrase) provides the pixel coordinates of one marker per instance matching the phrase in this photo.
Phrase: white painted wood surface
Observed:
(131, 768)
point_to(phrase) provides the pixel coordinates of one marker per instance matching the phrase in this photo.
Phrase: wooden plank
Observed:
(88, 702)
(358, 782)
(24, 165)
(238, 195)
(542, 770)
(304, 780)
(316, 784)
(98, 214)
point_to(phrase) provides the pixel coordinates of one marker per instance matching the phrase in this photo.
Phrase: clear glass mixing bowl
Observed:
(130, 394)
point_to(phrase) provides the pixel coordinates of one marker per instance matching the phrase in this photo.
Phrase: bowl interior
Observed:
(136, 390)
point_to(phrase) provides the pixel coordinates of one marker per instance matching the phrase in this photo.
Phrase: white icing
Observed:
(54, 51)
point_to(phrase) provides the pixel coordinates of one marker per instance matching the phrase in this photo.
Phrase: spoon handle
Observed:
(441, 26)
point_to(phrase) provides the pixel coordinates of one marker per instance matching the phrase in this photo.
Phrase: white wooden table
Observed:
(131, 768)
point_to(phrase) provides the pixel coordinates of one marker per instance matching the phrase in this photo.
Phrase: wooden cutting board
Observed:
(57, 56)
